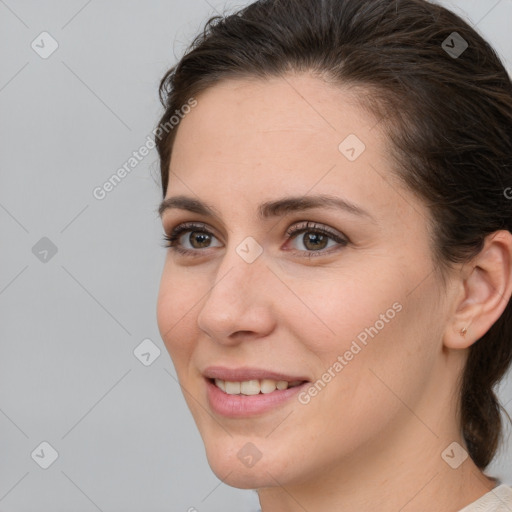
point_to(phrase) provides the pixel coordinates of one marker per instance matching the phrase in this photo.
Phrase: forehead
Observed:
(298, 105)
(294, 134)
(270, 123)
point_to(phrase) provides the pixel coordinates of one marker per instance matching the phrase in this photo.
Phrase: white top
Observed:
(497, 500)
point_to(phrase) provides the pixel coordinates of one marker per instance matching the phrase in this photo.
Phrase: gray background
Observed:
(69, 324)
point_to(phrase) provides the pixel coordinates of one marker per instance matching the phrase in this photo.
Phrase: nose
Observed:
(239, 303)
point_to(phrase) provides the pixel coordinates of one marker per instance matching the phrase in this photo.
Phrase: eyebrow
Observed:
(268, 209)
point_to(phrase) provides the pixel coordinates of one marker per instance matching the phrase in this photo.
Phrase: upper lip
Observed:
(246, 373)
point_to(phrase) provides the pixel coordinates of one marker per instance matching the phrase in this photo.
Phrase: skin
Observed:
(375, 433)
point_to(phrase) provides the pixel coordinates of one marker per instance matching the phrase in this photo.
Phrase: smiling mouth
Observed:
(254, 387)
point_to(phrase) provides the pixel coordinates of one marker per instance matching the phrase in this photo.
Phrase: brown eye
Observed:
(315, 241)
(315, 238)
(198, 238)
(202, 239)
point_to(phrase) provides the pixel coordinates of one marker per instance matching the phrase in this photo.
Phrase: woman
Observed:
(336, 294)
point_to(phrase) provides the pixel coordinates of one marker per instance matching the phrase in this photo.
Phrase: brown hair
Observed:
(448, 115)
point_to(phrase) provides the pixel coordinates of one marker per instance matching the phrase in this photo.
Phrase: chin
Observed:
(239, 463)
(245, 478)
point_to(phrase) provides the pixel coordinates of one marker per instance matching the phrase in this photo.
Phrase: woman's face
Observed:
(356, 312)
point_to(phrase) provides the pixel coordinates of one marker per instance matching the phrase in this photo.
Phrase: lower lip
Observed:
(237, 406)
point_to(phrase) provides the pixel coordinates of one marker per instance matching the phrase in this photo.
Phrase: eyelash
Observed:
(171, 241)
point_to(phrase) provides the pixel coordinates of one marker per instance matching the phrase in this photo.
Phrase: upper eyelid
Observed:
(297, 226)
(189, 226)
(307, 224)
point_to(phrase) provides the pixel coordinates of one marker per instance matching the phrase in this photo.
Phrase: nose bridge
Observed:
(238, 290)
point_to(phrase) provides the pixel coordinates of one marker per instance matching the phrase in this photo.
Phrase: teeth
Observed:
(267, 386)
(250, 387)
(254, 387)
(220, 384)
(232, 388)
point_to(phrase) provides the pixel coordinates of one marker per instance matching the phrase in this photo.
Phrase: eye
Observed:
(199, 238)
(316, 238)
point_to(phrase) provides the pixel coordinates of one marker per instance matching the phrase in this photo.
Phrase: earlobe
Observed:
(487, 287)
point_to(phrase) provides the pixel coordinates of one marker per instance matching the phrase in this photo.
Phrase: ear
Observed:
(485, 290)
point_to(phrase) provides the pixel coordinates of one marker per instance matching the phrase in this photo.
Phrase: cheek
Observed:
(359, 328)
(175, 308)
(335, 308)
(381, 352)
